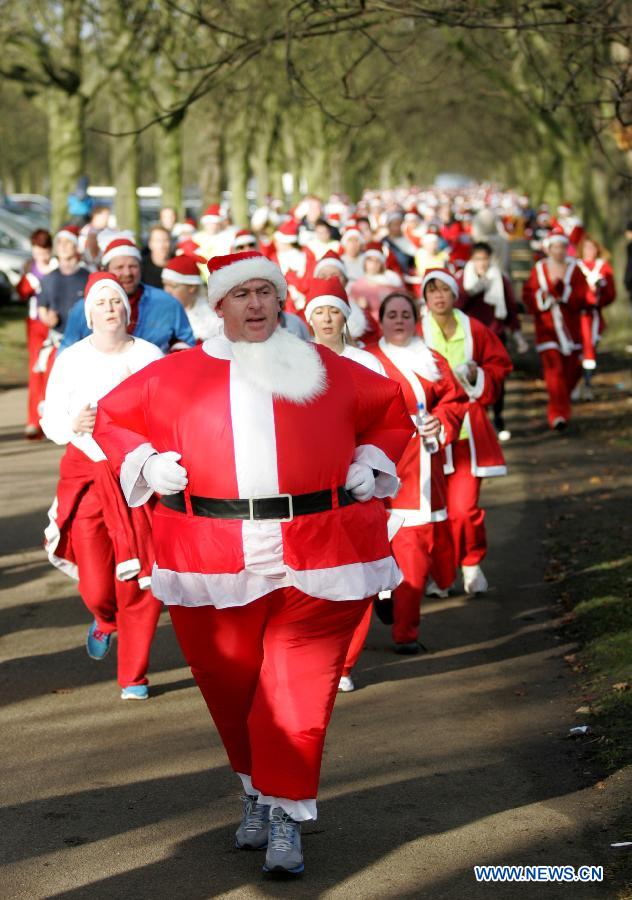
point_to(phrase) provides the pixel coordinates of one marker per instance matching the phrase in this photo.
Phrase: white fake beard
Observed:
(284, 365)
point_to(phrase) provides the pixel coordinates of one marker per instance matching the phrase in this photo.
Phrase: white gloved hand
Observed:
(360, 481)
(163, 474)
(522, 345)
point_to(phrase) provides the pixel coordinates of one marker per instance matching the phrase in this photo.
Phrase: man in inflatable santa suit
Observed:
(271, 456)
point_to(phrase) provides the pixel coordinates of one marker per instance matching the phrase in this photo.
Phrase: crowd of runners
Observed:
(325, 441)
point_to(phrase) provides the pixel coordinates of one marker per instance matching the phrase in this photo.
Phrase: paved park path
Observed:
(435, 764)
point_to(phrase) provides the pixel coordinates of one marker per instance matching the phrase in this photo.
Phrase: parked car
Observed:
(15, 249)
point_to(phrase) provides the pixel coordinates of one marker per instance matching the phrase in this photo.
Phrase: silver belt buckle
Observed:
(290, 504)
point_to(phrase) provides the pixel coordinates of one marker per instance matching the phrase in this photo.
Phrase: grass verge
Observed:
(13, 354)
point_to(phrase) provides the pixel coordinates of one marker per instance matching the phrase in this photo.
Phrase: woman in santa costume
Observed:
(92, 535)
(28, 289)
(486, 294)
(480, 363)
(555, 294)
(270, 535)
(601, 292)
(327, 313)
(436, 403)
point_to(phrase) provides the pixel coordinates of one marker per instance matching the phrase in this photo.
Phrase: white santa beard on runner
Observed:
(284, 365)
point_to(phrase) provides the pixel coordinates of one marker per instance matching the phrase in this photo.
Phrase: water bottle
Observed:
(431, 444)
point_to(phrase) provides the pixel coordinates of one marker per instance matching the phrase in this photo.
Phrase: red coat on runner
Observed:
(556, 307)
(422, 496)
(494, 365)
(238, 441)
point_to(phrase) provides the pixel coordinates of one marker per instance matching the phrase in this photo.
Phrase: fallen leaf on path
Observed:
(596, 479)
(622, 686)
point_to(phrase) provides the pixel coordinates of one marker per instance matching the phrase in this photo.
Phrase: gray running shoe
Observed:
(252, 834)
(284, 854)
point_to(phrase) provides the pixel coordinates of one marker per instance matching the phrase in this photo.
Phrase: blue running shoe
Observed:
(252, 834)
(135, 692)
(98, 642)
(284, 855)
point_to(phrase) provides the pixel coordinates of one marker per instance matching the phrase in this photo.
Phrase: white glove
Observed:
(163, 474)
(360, 481)
(521, 343)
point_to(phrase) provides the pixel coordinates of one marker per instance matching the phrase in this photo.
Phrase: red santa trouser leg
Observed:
(116, 605)
(467, 519)
(136, 620)
(442, 567)
(36, 333)
(558, 376)
(269, 674)
(589, 349)
(357, 641)
(412, 548)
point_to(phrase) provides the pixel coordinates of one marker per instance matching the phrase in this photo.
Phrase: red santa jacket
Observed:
(556, 307)
(601, 290)
(238, 440)
(422, 496)
(486, 350)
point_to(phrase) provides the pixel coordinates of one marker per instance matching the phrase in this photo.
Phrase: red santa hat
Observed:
(287, 232)
(326, 292)
(374, 249)
(181, 269)
(331, 258)
(188, 247)
(212, 213)
(565, 208)
(95, 284)
(120, 247)
(555, 236)
(69, 233)
(439, 275)
(227, 272)
(244, 239)
(351, 232)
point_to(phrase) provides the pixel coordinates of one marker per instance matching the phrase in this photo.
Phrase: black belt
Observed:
(283, 507)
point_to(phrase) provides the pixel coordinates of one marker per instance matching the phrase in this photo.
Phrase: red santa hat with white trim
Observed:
(181, 269)
(69, 233)
(353, 231)
(374, 249)
(244, 239)
(96, 283)
(287, 232)
(212, 213)
(331, 258)
(326, 292)
(439, 275)
(228, 272)
(555, 236)
(120, 246)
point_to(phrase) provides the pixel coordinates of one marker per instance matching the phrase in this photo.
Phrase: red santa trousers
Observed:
(357, 641)
(36, 334)
(269, 674)
(420, 550)
(467, 519)
(120, 606)
(561, 374)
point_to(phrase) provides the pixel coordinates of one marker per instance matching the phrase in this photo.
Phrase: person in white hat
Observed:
(92, 536)
(270, 533)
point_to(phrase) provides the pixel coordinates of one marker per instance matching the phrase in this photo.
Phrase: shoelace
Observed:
(99, 635)
(282, 831)
(254, 814)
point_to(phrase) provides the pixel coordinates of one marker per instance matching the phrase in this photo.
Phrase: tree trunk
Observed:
(169, 165)
(125, 158)
(236, 159)
(66, 149)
